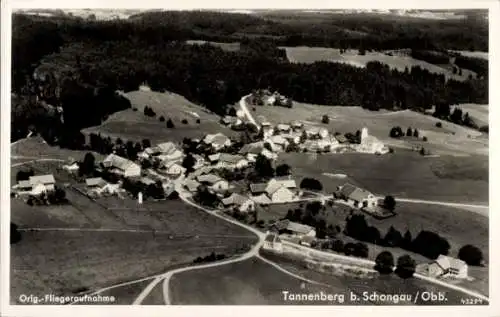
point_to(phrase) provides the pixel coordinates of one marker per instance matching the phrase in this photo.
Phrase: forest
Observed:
(80, 65)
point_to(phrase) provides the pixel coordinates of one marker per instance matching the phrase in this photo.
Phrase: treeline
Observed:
(102, 57)
(477, 65)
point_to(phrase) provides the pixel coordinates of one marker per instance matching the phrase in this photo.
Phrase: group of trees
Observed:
(206, 198)
(426, 243)
(148, 111)
(357, 249)
(23, 175)
(405, 267)
(212, 257)
(54, 197)
(134, 187)
(397, 132)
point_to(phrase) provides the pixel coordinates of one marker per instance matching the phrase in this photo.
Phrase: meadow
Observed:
(135, 126)
(403, 174)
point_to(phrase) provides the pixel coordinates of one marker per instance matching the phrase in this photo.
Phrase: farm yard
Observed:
(404, 174)
(305, 54)
(135, 126)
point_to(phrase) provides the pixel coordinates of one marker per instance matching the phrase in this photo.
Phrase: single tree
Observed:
(325, 119)
(184, 121)
(406, 266)
(390, 203)
(162, 119)
(409, 132)
(415, 133)
(146, 143)
(384, 263)
(170, 124)
(471, 255)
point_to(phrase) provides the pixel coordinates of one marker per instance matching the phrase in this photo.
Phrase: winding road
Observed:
(254, 251)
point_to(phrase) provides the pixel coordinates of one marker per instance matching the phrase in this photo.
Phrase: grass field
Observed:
(134, 125)
(305, 54)
(251, 282)
(479, 113)
(402, 174)
(478, 54)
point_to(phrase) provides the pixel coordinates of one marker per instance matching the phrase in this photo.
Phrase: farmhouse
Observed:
(280, 194)
(261, 199)
(445, 266)
(285, 181)
(252, 150)
(297, 125)
(272, 242)
(173, 169)
(225, 160)
(217, 141)
(36, 185)
(357, 197)
(288, 227)
(215, 182)
(121, 166)
(258, 188)
(315, 133)
(242, 203)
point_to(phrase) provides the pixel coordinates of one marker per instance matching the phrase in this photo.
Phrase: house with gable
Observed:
(292, 228)
(279, 143)
(172, 168)
(121, 166)
(446, 266)
(217, 141)
(356, 196)
(214, 182)
(230, 161)
(242, 203)
(272, 242)
(36, 185)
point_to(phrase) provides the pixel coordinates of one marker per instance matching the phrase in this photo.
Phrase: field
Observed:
(236, 286)
(134, 125)
(479, 113)
(305, 54)
(450, 139)
(404, 174)
(84, 245)
(478, 54)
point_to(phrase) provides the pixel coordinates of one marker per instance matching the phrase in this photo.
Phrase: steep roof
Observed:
(95, 181)
(275, 183)
(230, 158)
(42, 179)
(261, 199)
(299, 228)
(354, 193)
(447, 262)
(208, 178)
(118, 162)
(234, 199)
(258, 187)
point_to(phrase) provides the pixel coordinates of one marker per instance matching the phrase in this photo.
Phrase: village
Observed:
(236, 178)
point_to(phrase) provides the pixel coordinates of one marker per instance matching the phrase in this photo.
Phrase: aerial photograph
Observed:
(249, 157)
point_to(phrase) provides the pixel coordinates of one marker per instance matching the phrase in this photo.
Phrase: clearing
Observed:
(305, 54)
(135, 126)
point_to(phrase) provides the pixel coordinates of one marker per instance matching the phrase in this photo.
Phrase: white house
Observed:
(225, 160)
(445, 266)
(283, 127)
(214, 182)
(244, 204)
(357, 197)
(42, 184)
(217, 141)
(280, 194)
(173, 169)
(191, 185)
(121, 166)
(272, 242)
(285, 181)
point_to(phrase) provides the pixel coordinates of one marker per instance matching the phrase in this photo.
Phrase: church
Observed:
(370, 144)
